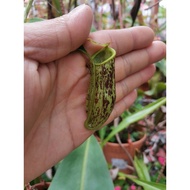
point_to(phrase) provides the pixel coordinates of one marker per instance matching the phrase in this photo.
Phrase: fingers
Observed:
(124, 40)
(132, 70)
(126, 93)
(124, 87)
(122, 105)
(49, 40)
(139, 59)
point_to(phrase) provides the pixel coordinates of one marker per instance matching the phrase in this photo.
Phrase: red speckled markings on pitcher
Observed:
(101, 92)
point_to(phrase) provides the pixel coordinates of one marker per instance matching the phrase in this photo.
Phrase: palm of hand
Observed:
(59, 93)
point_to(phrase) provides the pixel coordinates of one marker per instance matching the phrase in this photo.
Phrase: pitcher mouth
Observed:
(104, 55)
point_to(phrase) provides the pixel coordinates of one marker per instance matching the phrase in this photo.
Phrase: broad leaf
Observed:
(83, 169)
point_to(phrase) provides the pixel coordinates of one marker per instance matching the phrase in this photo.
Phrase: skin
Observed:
(56, 82)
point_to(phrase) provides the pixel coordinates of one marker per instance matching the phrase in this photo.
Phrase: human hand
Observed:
(56, 82)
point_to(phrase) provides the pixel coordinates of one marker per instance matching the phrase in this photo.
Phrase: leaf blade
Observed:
(83, 169)
(141, 169)
(147, 185)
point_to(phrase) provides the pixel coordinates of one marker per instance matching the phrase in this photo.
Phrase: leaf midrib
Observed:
(84, 165)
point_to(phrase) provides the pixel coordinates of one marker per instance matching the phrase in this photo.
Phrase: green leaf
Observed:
(147, 185)
(141, 169)
(162, 66)
(158, 87)
(35, 19)
(102, 132)
(136, 116)
(27, 9)
(83, 169)
(57, 6)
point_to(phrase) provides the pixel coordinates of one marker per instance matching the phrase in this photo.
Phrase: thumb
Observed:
(49, 40)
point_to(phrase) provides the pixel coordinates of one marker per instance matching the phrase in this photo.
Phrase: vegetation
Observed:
(85, 167)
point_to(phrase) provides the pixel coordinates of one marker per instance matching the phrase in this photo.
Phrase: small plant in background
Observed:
(144, 179)
(148, 111)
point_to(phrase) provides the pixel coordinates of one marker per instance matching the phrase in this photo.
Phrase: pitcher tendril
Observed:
(101, 92)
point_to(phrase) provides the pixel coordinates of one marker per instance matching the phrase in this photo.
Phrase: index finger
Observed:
(124, 40)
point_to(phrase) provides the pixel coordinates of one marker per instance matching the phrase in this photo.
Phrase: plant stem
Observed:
(116, 121)
(28, 7)
(62, 7)
(120, 15)
(161, 172)
(113, 12)
(153, 5)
